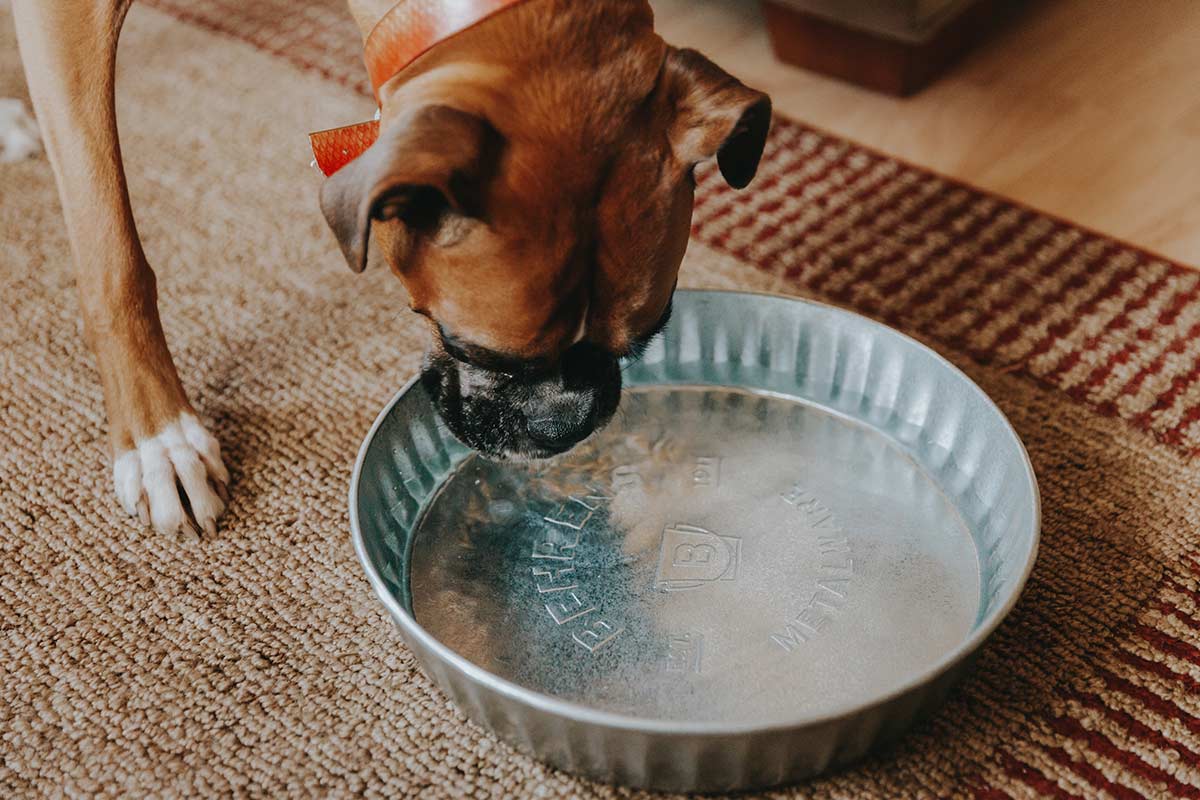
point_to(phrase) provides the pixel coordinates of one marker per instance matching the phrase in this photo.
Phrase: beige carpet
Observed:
(258, 663)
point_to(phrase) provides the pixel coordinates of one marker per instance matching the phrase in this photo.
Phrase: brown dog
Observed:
(531, 186)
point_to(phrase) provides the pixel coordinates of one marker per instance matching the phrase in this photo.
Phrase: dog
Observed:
(531, 185)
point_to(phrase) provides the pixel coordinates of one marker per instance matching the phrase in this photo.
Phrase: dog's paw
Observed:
(19, 136)
(171, 473)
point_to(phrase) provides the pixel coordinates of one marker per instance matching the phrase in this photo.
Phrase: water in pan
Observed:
(713, 555)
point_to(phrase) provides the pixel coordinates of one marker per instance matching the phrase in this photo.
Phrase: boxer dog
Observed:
(530, 183)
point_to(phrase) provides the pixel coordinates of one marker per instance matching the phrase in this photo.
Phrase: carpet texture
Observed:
(257, 663)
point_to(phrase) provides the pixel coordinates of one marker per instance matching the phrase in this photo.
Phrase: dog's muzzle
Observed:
(514, 415)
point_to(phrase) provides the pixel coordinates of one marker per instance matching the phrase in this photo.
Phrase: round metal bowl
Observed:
(784, 548)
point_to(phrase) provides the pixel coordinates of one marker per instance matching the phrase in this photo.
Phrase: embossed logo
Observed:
(691, 557)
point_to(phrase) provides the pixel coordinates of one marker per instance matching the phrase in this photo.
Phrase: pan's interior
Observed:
(795, 511)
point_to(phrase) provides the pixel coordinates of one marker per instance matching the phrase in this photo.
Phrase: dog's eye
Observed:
(421, 208)
(391, 208)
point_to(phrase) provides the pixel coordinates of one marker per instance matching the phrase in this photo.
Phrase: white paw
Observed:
(19, 136)
(183, 461)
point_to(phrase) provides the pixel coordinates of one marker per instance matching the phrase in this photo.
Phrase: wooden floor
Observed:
(1087, 109)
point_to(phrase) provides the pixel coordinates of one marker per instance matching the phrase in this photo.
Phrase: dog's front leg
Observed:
(162, 455)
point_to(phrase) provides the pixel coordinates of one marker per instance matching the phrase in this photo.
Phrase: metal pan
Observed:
(784, 549)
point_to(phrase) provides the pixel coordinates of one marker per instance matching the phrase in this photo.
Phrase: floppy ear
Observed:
(422, 166)
(716, 115)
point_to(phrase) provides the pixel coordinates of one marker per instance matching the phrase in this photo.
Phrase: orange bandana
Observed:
(411, 29)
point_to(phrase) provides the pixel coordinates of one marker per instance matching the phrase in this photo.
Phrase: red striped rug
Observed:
(1092, 689)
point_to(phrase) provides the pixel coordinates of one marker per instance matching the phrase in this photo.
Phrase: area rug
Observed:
(257, 662)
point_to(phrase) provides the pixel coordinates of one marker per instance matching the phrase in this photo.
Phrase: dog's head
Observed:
(538, 221)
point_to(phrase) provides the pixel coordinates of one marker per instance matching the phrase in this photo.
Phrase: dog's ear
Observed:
(715, 115)
(432, 162)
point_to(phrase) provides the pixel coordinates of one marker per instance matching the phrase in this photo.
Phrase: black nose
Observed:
(573, 410)
(529, 415)
(566, 421)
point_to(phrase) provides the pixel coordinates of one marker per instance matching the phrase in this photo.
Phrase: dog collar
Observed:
(409, 30)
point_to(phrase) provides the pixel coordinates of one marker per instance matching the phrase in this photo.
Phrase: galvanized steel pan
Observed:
(787, 546)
